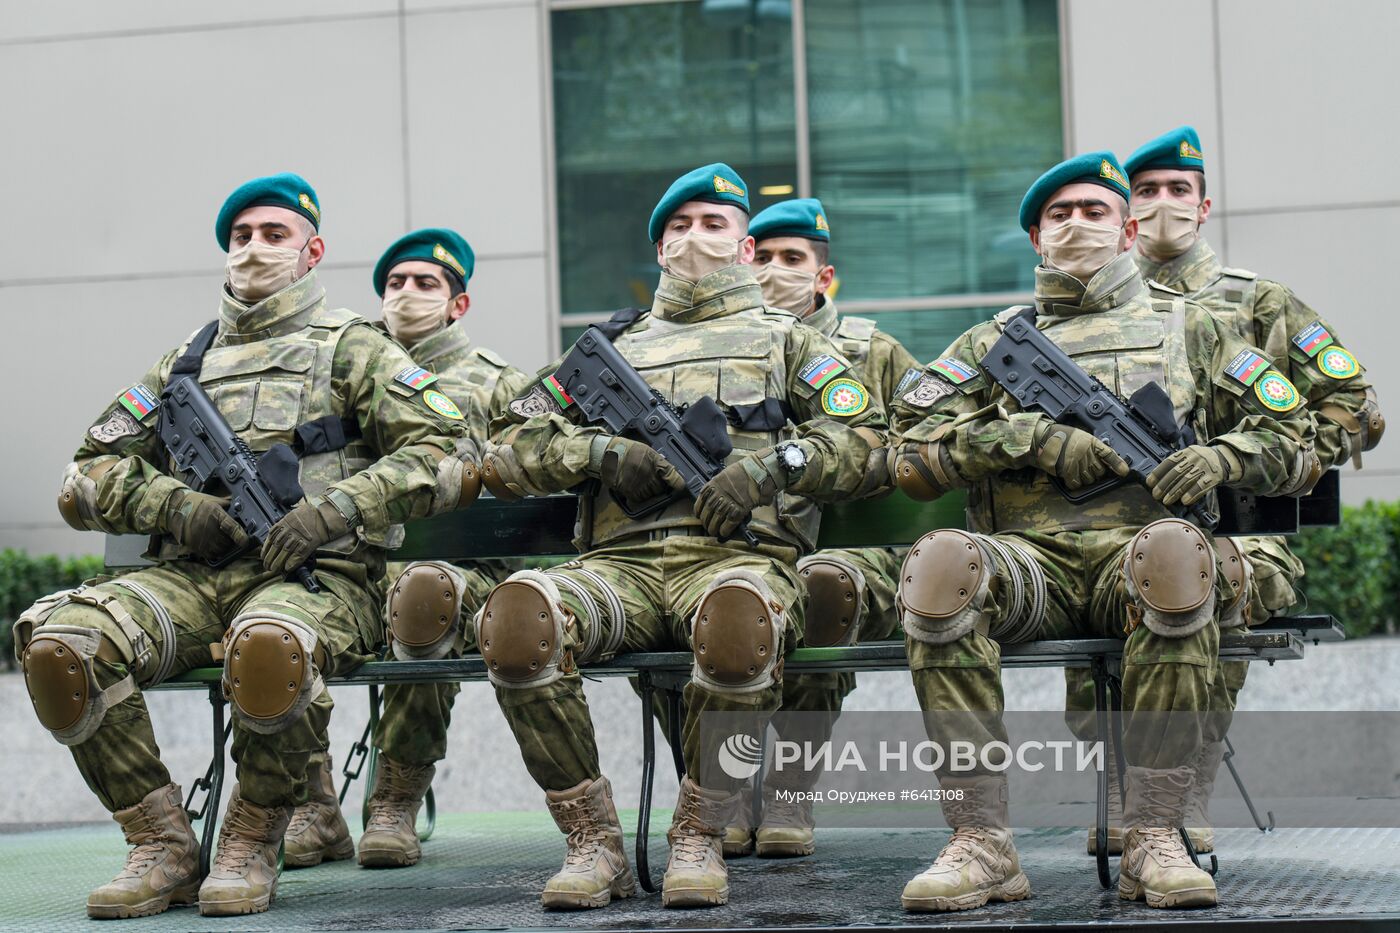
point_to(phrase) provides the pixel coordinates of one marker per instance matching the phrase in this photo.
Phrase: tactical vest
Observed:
(1125, 348)
(266, 388)
(738, 359)
(1231, 295)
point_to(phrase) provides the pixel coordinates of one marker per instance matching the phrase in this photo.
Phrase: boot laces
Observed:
(690, 839)
(395, 795)
(302, 819)
(1164, 845)
(239, 840)
(786, 812)
(148, 847)
(586, 834)
(965, 845)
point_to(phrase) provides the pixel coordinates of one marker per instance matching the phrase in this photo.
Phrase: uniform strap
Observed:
(192, 360)
(325, 434)
(614, 326)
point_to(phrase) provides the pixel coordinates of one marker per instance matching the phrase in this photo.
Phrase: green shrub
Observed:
(24, 579)
(1352, 569)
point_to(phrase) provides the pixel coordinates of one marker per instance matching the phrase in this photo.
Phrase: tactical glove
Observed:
(1187, 475)
(199, 523)
(730, 497)
(300, 532)
(635, 471)
(1077, 457)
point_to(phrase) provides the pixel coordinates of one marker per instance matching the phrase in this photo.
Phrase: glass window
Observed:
(644, 93)
(929, 119)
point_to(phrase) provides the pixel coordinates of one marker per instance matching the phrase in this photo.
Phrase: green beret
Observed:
(1098, 168)
(284, 190)
(1180, 148)
(434, 244)
(716, 183)
(802, 217)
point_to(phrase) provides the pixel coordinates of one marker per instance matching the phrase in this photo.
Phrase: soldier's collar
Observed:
(277, 315)
(719, 294)
(824, 318)
(449, 340)
(1190, 272)
(1112, 286)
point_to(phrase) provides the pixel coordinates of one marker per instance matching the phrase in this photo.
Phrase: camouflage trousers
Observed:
(413, 724)
(1086, 597)
(658, 586)
(1275, 573)
(121, 761)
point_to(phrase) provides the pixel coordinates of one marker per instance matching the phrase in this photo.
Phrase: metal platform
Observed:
(484, 871)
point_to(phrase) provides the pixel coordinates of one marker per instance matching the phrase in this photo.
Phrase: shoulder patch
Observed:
(911, 376)
(139, 400)
(1337, 363)
(537, 401)
(954, 370)
(1246, 367)
(117, 426)
(819, 371)
(929, 390)
(1275, 392)
(442, 404)
(1313, 339)
(415, 377)
(844, 397)
(492, 357)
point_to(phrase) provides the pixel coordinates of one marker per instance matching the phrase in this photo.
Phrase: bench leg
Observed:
(212, 784)
(359, 751)
(1098, 668)
(1239, 782)
(647, 691)
(673, 710)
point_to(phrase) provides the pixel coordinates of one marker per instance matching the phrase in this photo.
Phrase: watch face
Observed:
(793, 458)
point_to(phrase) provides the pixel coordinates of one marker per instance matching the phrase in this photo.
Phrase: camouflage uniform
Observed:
(273, 366)
(637, 582)
(1072, 556)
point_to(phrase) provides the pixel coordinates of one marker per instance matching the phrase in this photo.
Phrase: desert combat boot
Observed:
(1197, 816)
(595, 866)
(979, 863)
(162, 869)
(786, 830)
(390, 839)
(243, 878)
(738, 835)
(317, 832)
(1155, 865)
(696, 875)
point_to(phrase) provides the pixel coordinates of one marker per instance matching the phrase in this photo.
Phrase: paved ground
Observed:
(483, 771)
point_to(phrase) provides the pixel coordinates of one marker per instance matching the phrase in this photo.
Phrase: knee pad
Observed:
(521, 631)
(424, 611)
(270, 670)
(943, 587)
(736, 634)
(1238, 572)
(835, 600)
(62, 682)
(1169, 572)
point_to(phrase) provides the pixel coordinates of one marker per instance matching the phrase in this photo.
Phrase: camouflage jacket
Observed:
(278, 364)
(1119, 333)
(882, 361)
(715, 338)
(1291, 334)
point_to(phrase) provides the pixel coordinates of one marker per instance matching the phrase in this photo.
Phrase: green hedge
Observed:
(23, 579)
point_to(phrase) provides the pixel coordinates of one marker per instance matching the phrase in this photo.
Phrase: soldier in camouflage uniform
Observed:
(850, 593)
(673, 579)
(1167, 176)
(283, 368)
(1034, 565)
(422, 278)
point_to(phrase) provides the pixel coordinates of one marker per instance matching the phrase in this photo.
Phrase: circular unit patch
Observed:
(1338, 363)
(844, 397)
(442, 404)
(1276, 392)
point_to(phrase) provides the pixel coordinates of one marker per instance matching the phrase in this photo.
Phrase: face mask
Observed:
(1166, 227)
(696, 255)
(1080, 247)
(414, 316)
(787, 288)
(261, 269)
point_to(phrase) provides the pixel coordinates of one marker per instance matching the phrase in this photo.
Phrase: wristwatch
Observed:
(793, 460)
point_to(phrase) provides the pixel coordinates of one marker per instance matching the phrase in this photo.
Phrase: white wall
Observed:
(1293, 101)
(126, 124)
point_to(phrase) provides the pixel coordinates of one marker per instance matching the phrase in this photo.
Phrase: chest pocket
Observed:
(1124, 354)
(260, 393)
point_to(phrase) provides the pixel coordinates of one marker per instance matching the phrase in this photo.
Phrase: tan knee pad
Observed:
(1238, 573)
(943, 586)
(835, 600)
(1170, 576)
(424, 611)
(62, 682)
(736, 634)
(270, 671)
(521, 631)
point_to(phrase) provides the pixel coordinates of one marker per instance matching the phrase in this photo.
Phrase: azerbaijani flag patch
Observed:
(556, 389)
(415, 377)
(820, 371)
(1312, 339)
(139, 400)
(954, 370)
(1246, 367)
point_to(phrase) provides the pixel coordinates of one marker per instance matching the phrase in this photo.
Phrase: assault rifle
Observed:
(1043, 378)
(610, 392)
